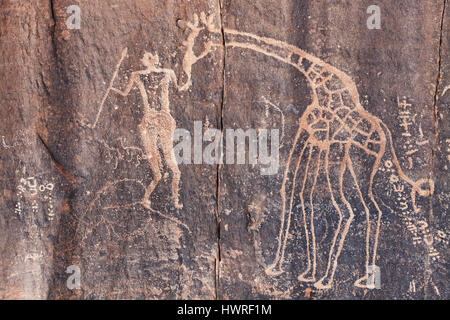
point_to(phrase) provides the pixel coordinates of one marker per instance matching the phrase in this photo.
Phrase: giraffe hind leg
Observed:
(367, 211)
(368, 280)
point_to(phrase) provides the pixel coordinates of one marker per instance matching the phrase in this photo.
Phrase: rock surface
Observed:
(89, 181)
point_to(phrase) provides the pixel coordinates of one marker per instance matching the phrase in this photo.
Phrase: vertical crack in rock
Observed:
(438, 77)
(222, 102)
(53, 32)
(44, 85)
(435, 100)
(67, 176)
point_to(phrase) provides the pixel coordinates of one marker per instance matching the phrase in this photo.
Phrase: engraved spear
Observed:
(124, 54)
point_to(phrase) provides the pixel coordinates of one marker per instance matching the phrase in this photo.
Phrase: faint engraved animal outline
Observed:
(110, 185)
(157, 127)
(332, 91)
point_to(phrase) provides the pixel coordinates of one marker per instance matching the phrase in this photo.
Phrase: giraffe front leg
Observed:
(338, 210)
(276, 267)
(309, 275)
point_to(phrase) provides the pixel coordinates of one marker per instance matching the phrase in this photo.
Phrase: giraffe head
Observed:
(197, 25)
(196, 30)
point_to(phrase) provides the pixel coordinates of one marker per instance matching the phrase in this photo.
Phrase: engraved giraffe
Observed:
(335, 123)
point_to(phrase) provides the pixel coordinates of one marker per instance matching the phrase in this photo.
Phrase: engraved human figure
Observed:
(338, 128)
(157, 126)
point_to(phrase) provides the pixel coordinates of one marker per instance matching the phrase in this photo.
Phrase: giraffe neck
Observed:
(316, 71)
(294, 56)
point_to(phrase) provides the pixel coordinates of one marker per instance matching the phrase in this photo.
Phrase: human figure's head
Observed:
(150, 60)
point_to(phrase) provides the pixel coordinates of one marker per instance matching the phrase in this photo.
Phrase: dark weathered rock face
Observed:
(354, 196)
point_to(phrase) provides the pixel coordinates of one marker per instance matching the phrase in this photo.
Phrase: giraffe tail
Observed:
(416, 186)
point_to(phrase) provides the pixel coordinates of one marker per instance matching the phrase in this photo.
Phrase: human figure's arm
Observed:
(129, 86)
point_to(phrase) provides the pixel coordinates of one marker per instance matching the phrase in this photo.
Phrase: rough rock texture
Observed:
(362, 121)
